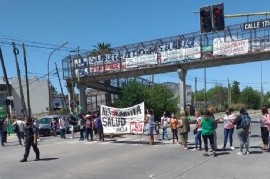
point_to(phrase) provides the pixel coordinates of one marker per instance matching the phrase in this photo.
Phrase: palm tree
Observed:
(103, 49)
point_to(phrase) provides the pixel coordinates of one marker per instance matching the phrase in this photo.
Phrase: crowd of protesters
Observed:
(205, 129)
(90, 128)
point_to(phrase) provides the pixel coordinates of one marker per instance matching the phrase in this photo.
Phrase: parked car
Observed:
(45, 128)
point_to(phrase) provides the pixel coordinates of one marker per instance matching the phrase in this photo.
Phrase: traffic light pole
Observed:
(242, 15)
(247, 14)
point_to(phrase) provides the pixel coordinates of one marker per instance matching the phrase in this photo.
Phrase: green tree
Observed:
(199, 95)
(157, 97)
(250, 97)
(218, 97)
(266, 101)
(235, 92)
(161, 99)
(132, 93)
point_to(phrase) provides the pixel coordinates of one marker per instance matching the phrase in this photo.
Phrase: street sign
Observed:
(256, 24)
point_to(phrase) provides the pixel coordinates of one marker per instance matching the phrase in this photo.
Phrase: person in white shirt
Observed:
(228, 120)
(164, 126)
(62, 126)
(20, 133)
(198, 132)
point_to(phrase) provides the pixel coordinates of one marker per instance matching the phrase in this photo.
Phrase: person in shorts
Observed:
(150, 124)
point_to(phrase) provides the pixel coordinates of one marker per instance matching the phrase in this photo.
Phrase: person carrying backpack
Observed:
(242, 123)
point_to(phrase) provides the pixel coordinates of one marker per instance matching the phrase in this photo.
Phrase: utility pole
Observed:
(262, 96)
(63, 96)
(229, 94)
(27, 83)
(16, 52)
(195, 94)
(9, 111)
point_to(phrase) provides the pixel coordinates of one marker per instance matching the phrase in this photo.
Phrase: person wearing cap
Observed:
(30, 140)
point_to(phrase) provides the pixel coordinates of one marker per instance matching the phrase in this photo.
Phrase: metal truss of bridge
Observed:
(240, 43)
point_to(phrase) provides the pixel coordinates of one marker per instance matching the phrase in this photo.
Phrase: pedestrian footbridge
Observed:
(240, 43)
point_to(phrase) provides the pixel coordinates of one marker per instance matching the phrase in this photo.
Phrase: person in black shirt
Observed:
(1, 131)
(29, 140)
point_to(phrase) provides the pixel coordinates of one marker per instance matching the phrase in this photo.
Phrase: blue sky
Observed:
(84, 23)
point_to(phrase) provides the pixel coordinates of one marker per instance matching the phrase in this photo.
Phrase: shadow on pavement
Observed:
(254, 136)
(255, 147)
(48, 159)
(222, 153)
(256, 152)
(137, 142)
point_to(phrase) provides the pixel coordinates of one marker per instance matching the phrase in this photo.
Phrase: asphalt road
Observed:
(130, 157)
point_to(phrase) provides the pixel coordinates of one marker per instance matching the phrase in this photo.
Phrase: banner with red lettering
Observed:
(122, 120)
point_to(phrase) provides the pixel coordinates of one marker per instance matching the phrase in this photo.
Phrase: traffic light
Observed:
(206, 19)
(218, 17)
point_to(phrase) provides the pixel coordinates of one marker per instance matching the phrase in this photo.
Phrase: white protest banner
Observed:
(122, 120)
(142, 60)
(132, 62)
(172, 56)
(230, 48)
(180, 54)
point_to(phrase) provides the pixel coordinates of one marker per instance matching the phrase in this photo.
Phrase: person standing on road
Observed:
(81, 124)
(62, 125)
(1, 131)
(73, 123)
(173, 125)
(30, 140)
(20, 132)
(164, 125)
(5, 130)
(184, 128)
(212, 110)
(198, 132)
(149, 120)
(265, 120)
(157, 128)
(88, 127)
(36, 129)
(53, 127)
(243, 131)
(208, 126)
(98, 126)
(228, 120)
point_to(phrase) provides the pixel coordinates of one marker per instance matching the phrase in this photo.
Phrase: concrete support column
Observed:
(108, 95)
(70, 96)
(82, 99)
(182, 87)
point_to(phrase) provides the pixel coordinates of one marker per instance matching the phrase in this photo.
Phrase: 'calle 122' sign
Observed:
(256, 24)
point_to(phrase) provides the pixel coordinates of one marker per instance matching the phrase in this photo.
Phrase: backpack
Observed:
(245, 121)
(15, 127)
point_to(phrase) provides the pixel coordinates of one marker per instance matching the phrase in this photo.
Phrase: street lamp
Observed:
(48, 65)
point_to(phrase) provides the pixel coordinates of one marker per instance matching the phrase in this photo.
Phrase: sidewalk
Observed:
(12, 138)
